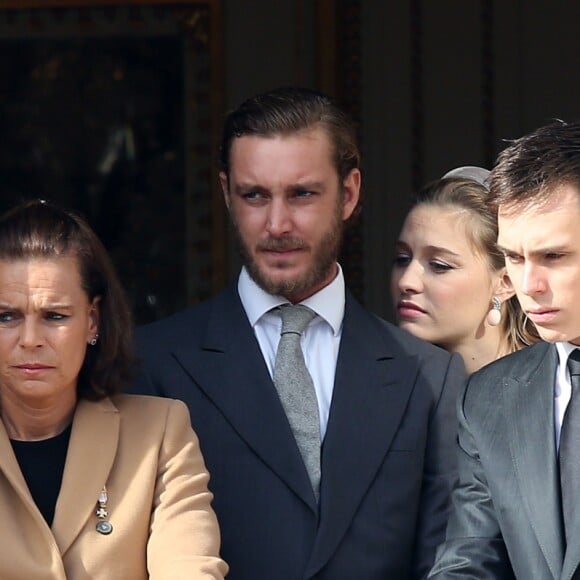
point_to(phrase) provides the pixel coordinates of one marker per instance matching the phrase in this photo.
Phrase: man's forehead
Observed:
(303, 148)
(538, 228)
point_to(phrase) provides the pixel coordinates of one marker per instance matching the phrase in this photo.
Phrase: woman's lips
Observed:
(33, 368)
(409, 310)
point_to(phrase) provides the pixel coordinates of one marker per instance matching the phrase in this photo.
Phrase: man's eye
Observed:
(303, 193)
(513, 258)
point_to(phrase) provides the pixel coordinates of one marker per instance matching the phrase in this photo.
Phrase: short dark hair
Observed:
(528, 170)
(39, 229)
(286, 110)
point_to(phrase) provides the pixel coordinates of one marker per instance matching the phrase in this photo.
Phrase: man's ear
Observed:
(225, 189)
(503, 288)
(350, 193)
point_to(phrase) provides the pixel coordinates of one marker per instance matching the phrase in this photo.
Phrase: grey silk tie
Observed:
(570, 447)
(296, 389)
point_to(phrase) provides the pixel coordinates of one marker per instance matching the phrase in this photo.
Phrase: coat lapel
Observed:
(572, 557)
(229, 367)
(91, 452)
(571, 567)
(530, 400)
(371, 391)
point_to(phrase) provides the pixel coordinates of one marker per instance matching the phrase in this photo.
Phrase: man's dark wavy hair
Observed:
(533, 166)
(287, 110)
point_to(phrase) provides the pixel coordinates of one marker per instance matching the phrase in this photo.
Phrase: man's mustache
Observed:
(282, 244)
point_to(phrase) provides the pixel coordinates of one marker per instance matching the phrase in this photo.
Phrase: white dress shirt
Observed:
(562, 386)
(320, 341)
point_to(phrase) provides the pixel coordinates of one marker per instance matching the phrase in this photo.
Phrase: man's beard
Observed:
(323, 259)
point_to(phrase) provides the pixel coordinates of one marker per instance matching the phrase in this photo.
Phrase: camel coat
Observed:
(145, 452)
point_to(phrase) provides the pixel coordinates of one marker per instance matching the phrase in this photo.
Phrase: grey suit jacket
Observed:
(506, 520)
(388, 458)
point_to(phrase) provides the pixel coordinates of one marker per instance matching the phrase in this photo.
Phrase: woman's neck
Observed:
(33, 422)
(482, 350)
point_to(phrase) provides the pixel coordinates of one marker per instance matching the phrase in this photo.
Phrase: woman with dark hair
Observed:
(449, 283)
(93, 484)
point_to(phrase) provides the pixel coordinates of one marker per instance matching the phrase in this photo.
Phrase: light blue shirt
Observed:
(320, 341)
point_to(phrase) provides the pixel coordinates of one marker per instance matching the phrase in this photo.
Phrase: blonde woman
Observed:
(449, 284)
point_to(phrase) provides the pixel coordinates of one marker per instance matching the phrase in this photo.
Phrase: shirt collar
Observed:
(564, 349)
(328, 303)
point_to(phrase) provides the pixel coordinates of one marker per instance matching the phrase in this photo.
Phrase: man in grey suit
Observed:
(369, 500)
(514, 513)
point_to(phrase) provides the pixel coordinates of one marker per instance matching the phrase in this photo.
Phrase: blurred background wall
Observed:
(433, 84)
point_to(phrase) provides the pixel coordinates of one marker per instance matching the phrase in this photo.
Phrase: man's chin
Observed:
(287, 282)
(277, 284)
(276, 272)
(554, 335)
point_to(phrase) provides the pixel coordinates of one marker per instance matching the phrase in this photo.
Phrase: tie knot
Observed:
(295, 318)
(574, 362)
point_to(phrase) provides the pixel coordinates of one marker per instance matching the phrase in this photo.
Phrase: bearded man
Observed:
(330, 442)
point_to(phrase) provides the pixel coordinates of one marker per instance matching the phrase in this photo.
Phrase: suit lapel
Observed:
(91, 452)
(529, 413)
(572, 557)
(229, 367)
(371, 391)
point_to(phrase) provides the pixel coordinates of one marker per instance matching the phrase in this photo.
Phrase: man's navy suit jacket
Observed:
(388, 457)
